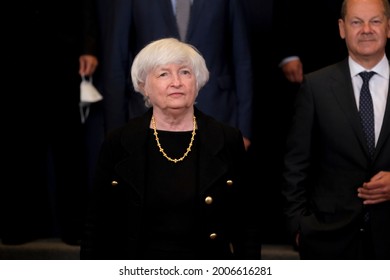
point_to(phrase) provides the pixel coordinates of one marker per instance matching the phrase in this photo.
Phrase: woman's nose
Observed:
(176, 79)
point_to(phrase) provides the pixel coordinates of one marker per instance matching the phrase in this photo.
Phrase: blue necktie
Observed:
(366, 111)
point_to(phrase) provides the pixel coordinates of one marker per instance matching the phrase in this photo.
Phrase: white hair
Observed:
(167, 51)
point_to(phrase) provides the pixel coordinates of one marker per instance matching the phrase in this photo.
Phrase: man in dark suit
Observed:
(217, 28)
(337, 193)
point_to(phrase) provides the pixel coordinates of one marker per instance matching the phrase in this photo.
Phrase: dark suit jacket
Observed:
(217, 28)
(115, 218)
(326, 161)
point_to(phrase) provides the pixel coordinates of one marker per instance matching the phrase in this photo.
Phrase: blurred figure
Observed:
(337, 192)
(171, 184)
(54, 44)
(298, 51)
(217, 28)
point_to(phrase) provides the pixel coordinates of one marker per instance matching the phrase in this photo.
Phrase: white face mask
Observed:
(88, 94)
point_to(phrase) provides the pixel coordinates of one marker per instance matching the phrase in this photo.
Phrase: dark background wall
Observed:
(269, 131)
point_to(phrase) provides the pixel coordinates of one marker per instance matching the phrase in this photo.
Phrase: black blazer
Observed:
(113, 225)
(326, 161)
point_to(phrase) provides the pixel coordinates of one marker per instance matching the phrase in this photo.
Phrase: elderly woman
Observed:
(171, 184)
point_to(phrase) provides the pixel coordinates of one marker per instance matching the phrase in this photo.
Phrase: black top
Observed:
(171, 198)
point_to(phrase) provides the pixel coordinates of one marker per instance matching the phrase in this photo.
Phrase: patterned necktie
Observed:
(183, 8)
(366, 111)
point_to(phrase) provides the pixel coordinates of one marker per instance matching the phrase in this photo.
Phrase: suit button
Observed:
(229, 183)
(208, 200)
(114, 183)
(213, 236)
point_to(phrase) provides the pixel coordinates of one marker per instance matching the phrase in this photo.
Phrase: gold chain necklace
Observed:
(175, 160)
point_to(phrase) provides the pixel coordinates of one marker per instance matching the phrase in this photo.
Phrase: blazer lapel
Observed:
(211, 167)
(134, 141)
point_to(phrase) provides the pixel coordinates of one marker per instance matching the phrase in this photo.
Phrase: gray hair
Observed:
(167, 51)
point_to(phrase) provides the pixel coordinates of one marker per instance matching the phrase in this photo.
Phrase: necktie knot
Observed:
(366, 76)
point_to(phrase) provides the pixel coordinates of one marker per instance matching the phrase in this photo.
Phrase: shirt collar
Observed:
(382, 68)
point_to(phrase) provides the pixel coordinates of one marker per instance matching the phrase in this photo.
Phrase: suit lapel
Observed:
(343, 92)
(167, 9)
(196, 15)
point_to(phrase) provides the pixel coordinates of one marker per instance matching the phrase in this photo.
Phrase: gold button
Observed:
(208, 200)
(114, 183)
(229, 183)
(213, 236)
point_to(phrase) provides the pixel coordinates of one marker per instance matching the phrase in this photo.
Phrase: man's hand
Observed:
(377, 190)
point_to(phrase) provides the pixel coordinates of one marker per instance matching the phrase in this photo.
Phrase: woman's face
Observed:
(171, 86)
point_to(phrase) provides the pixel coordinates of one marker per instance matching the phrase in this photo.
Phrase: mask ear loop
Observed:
(84, 113)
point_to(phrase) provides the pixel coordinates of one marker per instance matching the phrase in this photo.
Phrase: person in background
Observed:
(300, 52)
(303, 52)
(53, 45)
(337, 193)
(217, 28)
(171, 183)
(296, 55)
